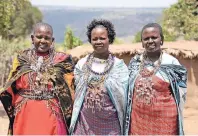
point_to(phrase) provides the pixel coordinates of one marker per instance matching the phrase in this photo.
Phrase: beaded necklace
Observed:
(100, 61)
(144, 87)
(109, 64)
(39, 79)
(94, 99)
(99, 76)
(40, 82)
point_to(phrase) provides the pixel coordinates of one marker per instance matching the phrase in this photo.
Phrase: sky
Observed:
(106, 3)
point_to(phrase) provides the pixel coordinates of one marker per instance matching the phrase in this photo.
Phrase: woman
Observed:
(101, 82)
(157, 89)
(37, 96)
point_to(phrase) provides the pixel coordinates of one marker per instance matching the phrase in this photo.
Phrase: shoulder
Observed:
(169, 59)
(117, 60)
(24, 52)
(61, 56)
(120, 65)
(81, 62)
(135, 60)
(23, 56)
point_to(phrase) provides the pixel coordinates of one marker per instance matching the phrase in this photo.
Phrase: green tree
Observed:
(70, 41)
(118, 41)
(9, 50)
(76, 41)
(23, 23)
(168, 36)
(17, 18)
(137, 37)
(6, 12)
(181, 19)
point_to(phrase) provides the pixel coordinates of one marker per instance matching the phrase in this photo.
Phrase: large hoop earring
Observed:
(51, 50)
(161, 43)
(32, 47)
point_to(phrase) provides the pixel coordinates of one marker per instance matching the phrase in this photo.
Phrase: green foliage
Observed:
(181, 19)
(6, 11)
(8, 50)
(118, 41)
(17, 18)
(137, 37)
(76, 41)
(168, 36)
(70, 41)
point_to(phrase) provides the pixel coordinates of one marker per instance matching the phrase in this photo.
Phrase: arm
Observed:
(182, 84)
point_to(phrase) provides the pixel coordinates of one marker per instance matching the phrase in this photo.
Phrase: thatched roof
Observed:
(184, 49)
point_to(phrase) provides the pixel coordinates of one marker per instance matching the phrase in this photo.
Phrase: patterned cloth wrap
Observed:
(63, 70)
(116, 85)
(177, 76)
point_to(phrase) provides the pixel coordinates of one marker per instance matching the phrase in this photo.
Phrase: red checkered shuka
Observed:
(159, 117)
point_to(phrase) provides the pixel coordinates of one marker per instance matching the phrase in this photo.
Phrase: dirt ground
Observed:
(190, 121)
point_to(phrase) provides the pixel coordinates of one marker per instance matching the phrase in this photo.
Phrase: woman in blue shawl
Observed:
(101, 82)
(157, 89)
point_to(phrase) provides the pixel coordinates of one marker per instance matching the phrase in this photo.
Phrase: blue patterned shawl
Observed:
(116, 84)
(177, 76)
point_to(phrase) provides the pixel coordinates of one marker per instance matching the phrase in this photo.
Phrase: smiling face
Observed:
(100, 40)
(42, 39)
(151, 39)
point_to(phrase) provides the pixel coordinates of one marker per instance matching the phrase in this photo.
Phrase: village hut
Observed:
(185, 51)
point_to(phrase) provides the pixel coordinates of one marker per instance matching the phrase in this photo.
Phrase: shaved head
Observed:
(44, 25)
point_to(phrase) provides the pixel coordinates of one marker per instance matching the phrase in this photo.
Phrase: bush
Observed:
(9, 50)
(70, 40)
(118, 41)
(137, 37)
(181, 19)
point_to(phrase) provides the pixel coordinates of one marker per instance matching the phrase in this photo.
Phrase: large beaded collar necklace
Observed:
(95, 94)
(99, 76)
(42, 71)
(39, 62)
(144, 87)
(109, 64)
(144, 63)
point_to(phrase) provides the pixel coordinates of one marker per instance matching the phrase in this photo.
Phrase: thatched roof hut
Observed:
(182, 49)
(185, 51)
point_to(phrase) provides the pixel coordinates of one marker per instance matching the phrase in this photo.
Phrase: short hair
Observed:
(42, 24)
(156, 25)
(104, 23)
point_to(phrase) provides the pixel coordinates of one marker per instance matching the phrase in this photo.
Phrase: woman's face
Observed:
(100, 40)
(42, 39)
(151, 39)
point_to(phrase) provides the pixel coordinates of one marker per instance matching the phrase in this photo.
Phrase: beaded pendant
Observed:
(144, 86)
(144, 89)
(94, 99)
(95, 96)
(42, 71)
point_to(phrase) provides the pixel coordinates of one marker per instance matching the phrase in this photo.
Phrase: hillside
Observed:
(127, 21)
